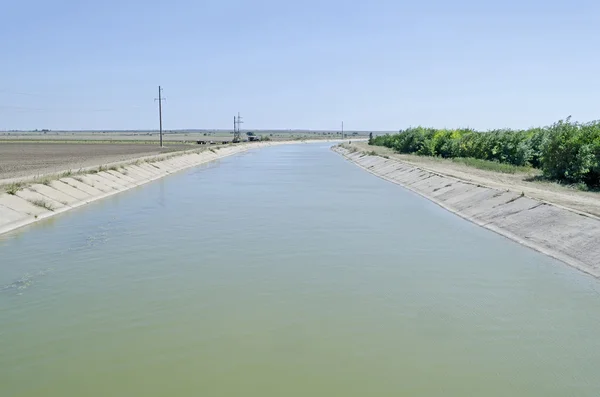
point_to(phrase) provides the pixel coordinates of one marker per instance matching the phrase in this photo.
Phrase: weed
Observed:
(14, 187)
(66, 174)
(78, 179)
(43, 204)
(44, 181)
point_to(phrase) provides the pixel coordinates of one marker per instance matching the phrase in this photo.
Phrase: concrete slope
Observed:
(567, 235)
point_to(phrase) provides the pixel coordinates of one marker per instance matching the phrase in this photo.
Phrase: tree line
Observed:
(566, 151)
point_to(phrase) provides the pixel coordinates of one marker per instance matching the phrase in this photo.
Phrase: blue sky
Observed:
(377, 65)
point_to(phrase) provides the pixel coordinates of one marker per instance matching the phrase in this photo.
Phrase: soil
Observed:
(29, 159)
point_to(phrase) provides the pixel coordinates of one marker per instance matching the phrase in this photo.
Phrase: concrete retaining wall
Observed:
(40, 201)
(569, 236)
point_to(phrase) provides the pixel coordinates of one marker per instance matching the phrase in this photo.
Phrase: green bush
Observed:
(572, 152)
(565, 151)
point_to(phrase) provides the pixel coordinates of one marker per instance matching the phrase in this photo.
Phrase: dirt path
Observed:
(587, 202)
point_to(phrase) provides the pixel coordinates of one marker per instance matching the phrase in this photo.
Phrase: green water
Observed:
(287, 272)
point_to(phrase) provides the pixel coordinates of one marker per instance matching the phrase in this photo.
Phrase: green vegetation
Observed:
(14, 187)
(566, 151)
(491, 165)
(43, 204)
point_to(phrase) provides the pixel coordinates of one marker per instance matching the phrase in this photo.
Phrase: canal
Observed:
(287, 271)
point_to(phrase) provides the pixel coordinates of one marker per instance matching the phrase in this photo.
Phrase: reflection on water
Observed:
(286, 272)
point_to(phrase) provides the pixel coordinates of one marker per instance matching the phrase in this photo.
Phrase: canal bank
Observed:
(28, 202)
(569, 236)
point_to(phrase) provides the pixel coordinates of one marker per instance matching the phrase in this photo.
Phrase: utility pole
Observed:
(160, 99)
(237, 122)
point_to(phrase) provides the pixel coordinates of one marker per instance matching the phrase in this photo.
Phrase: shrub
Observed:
(565, 151)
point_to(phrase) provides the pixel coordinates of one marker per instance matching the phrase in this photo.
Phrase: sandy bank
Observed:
(569, 236)
(37, 201)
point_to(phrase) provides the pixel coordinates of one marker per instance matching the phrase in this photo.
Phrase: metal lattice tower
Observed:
(237, 122)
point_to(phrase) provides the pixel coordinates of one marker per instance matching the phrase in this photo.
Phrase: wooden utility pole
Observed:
(160, 99)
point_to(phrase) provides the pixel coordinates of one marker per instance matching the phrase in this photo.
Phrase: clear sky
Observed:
(376, 65)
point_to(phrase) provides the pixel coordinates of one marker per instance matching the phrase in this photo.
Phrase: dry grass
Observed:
(14, 187)
(43, 204)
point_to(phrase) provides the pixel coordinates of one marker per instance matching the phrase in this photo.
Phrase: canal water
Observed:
(287, 271)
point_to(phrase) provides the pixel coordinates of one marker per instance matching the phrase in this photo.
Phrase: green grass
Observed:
(491, 165)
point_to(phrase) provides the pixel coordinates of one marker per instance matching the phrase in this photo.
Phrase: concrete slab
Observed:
(71, 191)
(8, 215)
(76, 184)
(474, 198)
(54, 194)
(34, 197)
(106, 182)
(141, 171)
(153, 170)
(21, 205)
(123, 176)
(116, 181)
(458, 188)
(488, 205)
(90, 180)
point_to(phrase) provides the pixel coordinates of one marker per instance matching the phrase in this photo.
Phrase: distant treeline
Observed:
(565, 151)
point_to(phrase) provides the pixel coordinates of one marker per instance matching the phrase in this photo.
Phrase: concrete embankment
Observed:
(36, 201)
(569, 236)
